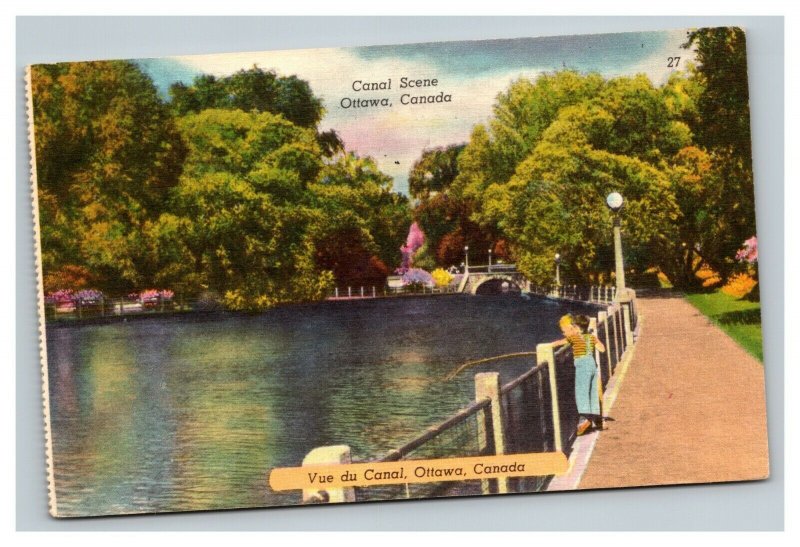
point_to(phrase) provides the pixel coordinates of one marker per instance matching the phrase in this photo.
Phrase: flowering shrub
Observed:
(153, 295)
(64, 297)
(417, 276)
(441, 277)
(739, 285)
(88, 296)
(749, 251)
(59, 297)
(709, 276)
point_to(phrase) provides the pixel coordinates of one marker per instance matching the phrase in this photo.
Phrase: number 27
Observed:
(672, 62)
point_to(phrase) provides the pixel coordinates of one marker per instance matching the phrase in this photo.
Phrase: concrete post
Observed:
(349, 292)
(336, 292)
(626, 315)
(544, 354)
(612, 323)
(337, 454)
(487, 384)
(620, 267)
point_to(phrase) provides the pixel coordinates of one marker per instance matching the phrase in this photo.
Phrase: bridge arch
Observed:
(497, 284)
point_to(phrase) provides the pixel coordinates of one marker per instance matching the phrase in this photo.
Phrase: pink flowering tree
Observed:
(748, 255)
(749, 251)
(414, 240)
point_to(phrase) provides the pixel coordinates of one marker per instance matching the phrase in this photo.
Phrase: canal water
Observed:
(189, 413)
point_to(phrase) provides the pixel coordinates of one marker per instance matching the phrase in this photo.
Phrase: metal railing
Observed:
(528, 421)
(110, 307)
(467, 433)
(372, 291)
(582, 293)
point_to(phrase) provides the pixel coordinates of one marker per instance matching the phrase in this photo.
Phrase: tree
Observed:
(554, 204)
(443, 211)
(239, 223)
(520, 116)
(435, 171)
(361, 222)
(723, 129)
(254, 89)
(108, 153)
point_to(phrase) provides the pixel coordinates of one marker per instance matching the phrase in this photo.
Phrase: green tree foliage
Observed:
(229, 190)
(361, 222)
(521, 115)
(442, 211)
(435, 171)
(249, 90)
(723, 129)
(108, 154)
(238, 222)
(589, 138)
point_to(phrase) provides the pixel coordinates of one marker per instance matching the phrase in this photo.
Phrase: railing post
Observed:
(337, 454)
(487, 384)
(602, 317)
(544, 354)
(373, 291)
(349, 292)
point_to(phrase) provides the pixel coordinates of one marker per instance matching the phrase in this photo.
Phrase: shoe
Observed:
(583, 427)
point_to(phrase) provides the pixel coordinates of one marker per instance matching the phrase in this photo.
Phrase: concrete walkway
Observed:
(691, 408)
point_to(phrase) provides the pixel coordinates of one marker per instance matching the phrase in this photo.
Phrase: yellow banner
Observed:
(325, 476)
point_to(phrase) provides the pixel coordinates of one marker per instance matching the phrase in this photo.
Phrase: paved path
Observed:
(691, 407)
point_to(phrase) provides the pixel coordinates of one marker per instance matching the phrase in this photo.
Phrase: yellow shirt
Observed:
(578, 343)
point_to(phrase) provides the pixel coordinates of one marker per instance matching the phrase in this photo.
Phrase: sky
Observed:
(473, 73)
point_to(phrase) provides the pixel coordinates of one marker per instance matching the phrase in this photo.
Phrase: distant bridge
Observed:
(494, 278)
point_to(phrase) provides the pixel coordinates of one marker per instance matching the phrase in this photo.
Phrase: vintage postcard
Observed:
(397, 272)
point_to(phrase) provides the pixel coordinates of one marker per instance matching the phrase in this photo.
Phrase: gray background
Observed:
(735, 506)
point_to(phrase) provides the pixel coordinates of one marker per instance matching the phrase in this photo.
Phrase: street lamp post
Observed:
(490, 259)
(466, 258)
(615, 202)
(558, 270)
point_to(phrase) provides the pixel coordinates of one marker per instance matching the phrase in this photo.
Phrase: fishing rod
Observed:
(468, 364)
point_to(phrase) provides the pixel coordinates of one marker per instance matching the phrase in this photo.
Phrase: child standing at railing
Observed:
(587, 399)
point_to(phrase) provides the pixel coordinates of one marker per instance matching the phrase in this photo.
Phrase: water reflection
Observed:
(174, 414)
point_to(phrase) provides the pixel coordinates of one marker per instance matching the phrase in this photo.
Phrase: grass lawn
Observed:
(739, 318)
